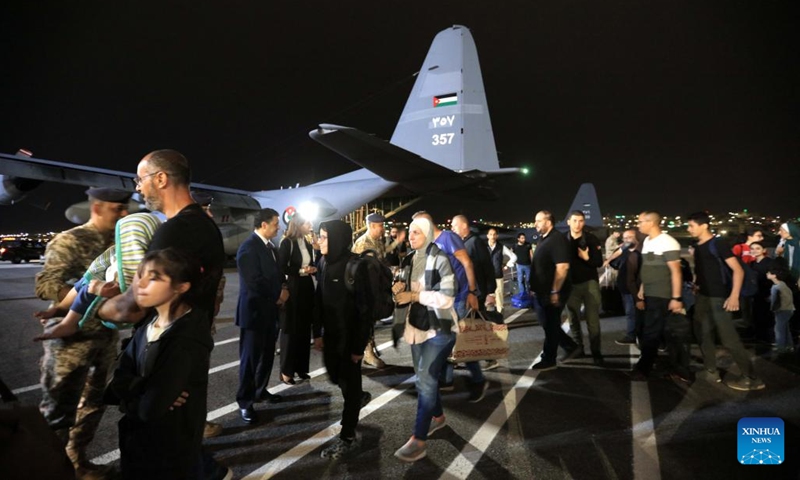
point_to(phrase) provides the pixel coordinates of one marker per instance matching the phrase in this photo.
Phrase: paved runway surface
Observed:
(578, 421)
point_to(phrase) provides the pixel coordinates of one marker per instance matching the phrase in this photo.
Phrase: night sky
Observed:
(668, 105)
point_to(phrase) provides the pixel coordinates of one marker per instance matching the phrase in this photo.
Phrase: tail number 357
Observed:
(442, 139)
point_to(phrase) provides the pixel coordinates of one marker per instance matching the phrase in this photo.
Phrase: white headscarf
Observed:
(426, 227)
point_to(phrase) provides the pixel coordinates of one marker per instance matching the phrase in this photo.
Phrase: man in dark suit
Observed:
(261, 293)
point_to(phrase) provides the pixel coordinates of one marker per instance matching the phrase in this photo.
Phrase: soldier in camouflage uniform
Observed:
(74, 370)
(373, 239)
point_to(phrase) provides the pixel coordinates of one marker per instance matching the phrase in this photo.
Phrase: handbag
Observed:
(478, 339)
(418, 316)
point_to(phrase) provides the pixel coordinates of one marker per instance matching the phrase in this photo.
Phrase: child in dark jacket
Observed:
(162, 379)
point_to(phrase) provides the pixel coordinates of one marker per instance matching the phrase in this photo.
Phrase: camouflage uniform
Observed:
(365, 242)
(74, 370)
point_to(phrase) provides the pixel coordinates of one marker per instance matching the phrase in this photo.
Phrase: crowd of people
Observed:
(164, 280)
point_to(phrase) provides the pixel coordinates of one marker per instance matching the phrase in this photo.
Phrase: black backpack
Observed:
(371, 280)
(750, 283)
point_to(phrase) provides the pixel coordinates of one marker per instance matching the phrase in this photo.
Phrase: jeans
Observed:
(586, 294)
(783, 337)
(476, 374)
(630, 312)
(655, 318)
(429, 358)
(550, 319)
(523, 278)
(712, 317)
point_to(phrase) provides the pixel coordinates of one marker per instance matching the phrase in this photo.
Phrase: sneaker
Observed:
(446, 387)
(340, 448)
(544, 366)
(212, 430)
(478, 391)
(437, 423)
(746, 384)
(412, 451)
(366, 397)
(490, 365)
(713, 376)
(626, 340)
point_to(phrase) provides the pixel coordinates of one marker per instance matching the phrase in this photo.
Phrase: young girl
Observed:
(162, 378)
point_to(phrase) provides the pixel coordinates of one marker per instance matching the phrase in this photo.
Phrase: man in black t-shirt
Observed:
(551, 287)
(716, 301)
(523, 251)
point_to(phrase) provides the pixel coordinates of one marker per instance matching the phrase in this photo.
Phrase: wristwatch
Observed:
(474, 292)
(678, 299)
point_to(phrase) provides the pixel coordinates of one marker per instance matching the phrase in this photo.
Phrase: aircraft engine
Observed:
(14, 189)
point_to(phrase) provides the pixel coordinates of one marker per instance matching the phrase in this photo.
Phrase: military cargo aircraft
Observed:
(443, 143)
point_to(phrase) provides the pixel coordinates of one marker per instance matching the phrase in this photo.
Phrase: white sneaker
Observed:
(412, 451)
(437, 423)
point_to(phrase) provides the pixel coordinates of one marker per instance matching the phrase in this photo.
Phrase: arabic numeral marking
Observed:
(442, 139)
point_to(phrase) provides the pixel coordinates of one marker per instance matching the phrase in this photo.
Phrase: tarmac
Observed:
(578, 421)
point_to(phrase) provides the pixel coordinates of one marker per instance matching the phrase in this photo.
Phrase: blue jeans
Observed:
(630, 312)
(474, 368)
(783, 337)
(523, 278)
(429, 358)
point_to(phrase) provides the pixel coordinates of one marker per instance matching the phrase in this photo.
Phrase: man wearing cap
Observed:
(74, 370)
(373, 240)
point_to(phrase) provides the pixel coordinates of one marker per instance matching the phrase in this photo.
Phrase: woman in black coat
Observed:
(296, 259)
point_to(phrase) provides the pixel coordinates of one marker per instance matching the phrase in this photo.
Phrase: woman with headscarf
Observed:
(296, 259)
(345, 332)
(429, 319)
(789, 248)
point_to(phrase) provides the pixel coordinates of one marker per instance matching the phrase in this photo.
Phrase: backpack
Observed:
(371, 280)
(750, 283)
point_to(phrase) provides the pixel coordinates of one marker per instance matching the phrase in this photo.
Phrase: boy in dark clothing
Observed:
(345, 332)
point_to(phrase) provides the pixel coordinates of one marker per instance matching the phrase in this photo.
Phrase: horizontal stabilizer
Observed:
(397, 165)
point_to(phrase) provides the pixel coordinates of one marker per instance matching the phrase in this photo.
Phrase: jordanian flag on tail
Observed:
(445, 100)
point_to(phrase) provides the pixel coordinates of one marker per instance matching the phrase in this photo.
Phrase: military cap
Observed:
(375, 218)
(202, 198)
(109, 195)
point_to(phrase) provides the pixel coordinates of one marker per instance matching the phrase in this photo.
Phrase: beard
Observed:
(153, 203)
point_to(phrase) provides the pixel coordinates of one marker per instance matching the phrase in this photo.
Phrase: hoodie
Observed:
(345, 333)
(156, 442)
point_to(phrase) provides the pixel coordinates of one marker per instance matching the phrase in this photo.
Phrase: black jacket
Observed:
(260, 282)
(156, 442)
(581, 270)
(478, 252)
(345, 333)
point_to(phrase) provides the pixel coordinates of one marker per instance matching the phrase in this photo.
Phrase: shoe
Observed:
(446, 387)
(412, 451)
(288, 380)
(637, 375)
(304, 376)
(366, 397)
(371, 359)
(626, 340)
(249, 415)
(437, 423)
(221, 473)
(713, 376)
(544, 366)
(746, 384)
(340, 448)
(679, 379)
(490, 365)
(266, 396)
(212, 430)
(478, 391)
(662, 348)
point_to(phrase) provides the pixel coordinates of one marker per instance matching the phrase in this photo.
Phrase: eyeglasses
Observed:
(138, 180)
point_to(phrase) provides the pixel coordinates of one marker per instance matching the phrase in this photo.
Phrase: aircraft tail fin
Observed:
(586, 202)
(446, 117)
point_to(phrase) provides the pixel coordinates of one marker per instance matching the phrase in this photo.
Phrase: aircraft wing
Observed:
(398, 165)
(21, 167)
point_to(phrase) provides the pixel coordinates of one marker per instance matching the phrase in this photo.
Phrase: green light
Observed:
(525, 171)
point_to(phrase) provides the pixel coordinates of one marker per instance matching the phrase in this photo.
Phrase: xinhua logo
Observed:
(760, 441)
